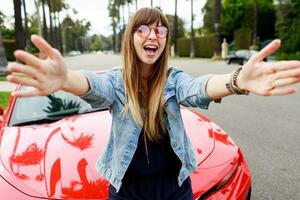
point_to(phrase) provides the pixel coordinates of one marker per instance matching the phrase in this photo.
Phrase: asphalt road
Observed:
(267, 129)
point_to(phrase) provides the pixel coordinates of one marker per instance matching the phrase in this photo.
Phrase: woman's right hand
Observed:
(43, 76)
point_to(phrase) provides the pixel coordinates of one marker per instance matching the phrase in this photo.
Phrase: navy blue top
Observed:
(156, 180)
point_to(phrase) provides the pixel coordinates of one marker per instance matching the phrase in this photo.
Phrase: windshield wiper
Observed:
(53, 117)
(37, 121)
(94, 110)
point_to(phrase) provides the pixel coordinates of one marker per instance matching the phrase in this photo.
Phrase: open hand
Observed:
(43, 76)
(269, 78)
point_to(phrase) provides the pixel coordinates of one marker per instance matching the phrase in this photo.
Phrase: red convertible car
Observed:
(49, 146)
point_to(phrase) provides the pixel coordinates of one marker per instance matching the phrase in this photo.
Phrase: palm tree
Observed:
(255, 12)
(26, 32)
(192, 54)
(3, 61)
(19, 31)
(217, 17)
(51, 35)
(37, 4)
(45, 27)
(175, 29)
(114, 14)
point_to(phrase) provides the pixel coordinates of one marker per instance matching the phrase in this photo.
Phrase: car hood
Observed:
(57, 160)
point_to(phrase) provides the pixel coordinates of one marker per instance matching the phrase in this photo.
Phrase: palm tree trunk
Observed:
(217, 17)
(37, 5)
(3, 60)
(51, 24)
(192, 54)
(175, 30)
(19, 31)
(255, 10)
(45, 31)
(26, 32)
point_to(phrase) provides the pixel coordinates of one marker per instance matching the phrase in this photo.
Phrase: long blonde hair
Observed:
(152, 121)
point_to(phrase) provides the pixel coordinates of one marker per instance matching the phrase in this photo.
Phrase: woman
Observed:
(148, 155)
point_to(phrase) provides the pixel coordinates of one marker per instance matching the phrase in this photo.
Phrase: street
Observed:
(265, 128)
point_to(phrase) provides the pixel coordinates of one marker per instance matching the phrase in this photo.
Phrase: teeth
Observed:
(151, 47)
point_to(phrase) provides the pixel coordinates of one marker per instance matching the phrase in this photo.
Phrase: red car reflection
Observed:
(49, 146)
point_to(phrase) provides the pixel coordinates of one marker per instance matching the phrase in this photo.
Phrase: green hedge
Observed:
(290, 56)
(183, 47)
(10, 47)
(204, 46)
(243, 38)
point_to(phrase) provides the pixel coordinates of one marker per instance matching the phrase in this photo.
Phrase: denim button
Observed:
(174, 144)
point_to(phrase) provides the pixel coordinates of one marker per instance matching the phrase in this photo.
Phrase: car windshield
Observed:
(44, 109)
(244, 53)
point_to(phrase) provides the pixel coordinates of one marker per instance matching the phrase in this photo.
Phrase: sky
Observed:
(96, 11)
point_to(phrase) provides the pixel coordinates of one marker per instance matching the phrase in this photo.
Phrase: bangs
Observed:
(147, 16)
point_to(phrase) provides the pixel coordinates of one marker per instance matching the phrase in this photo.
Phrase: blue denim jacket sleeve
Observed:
(190, 91)
(102, 92)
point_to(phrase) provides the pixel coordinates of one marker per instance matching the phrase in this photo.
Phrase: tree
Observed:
(217, 20)
(96, 44)
(45, 28)
(3, 61)
(26, 31)
(179, 28)
(2, 16)
(288, 28)
(175, 29)
(192, 54)
(19, 31)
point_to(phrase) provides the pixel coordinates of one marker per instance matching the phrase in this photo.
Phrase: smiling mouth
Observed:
(150, 50)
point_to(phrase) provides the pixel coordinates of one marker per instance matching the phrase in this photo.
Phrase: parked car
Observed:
(49, 146)
(74, 53)
(240, 56)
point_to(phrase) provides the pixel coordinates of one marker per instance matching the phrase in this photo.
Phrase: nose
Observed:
(152, 34)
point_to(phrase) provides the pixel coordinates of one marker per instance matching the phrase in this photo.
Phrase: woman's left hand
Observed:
(269, 78)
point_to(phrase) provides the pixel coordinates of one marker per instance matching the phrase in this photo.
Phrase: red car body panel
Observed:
(57, 160)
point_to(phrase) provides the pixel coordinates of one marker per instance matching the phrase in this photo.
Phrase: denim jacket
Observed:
(108, 90)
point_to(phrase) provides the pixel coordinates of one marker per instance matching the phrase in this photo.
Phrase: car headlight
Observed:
(227, 177)
(223, 181)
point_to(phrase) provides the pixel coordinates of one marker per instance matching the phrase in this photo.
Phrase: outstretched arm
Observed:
(45, 76)
(259, 77)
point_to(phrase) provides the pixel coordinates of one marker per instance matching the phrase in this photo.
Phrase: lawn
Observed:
(2, 78)
(4, 99)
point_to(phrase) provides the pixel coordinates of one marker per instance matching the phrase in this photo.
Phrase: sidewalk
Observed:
(6, 86)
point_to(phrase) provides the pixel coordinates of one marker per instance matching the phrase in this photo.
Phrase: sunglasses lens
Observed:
(162, 31)
(143, 31)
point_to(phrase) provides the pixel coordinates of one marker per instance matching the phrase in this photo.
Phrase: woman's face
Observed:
(149, 42)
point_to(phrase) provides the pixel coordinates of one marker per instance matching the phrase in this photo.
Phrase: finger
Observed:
(29, 59)
(19, 68)
(266, 51)
(287, 73)
(286, 82)
(43, 46)
(29, 92)
(272, 67)
(22, 80)
(282, 91)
